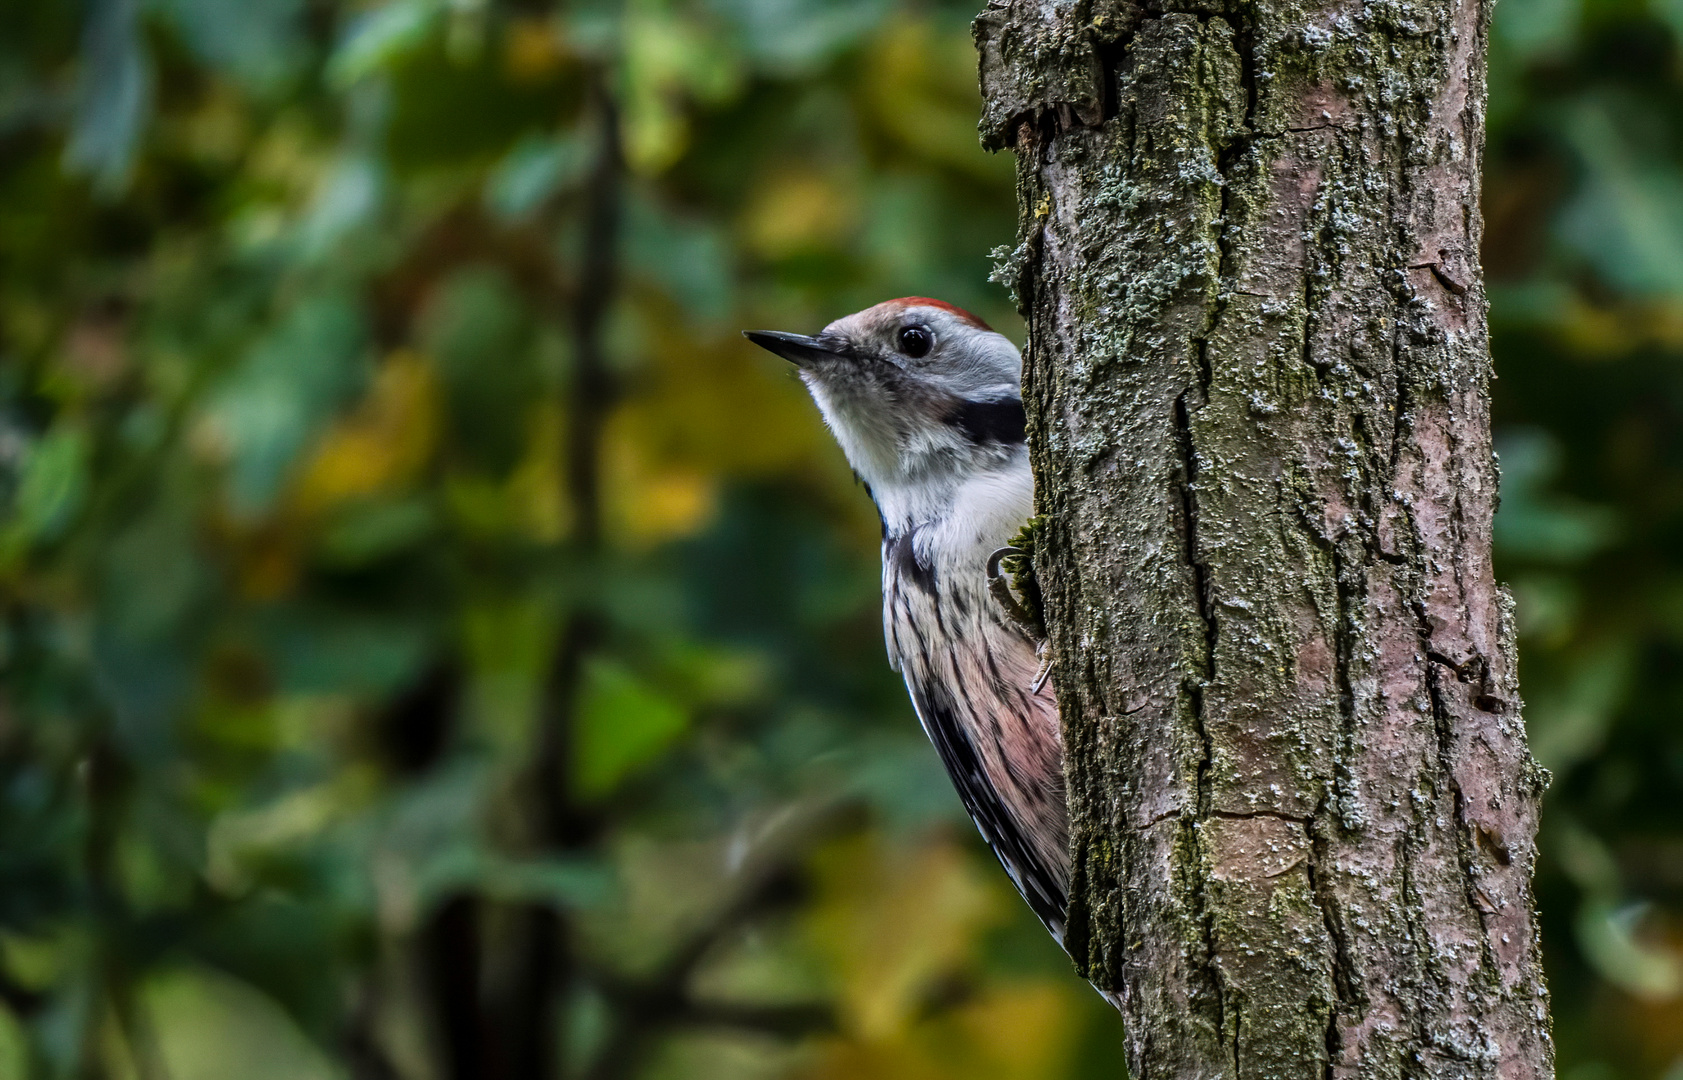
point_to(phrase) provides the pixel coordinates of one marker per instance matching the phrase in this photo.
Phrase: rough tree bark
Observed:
(1257, 379)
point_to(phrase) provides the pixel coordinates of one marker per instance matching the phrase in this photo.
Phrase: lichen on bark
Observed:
(1257, 379)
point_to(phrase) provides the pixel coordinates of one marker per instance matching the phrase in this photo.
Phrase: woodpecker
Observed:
(926, 402)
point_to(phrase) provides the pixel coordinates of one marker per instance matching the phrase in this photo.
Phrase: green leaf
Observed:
(325, 651)
(1626, 218)
(793, 36)
(1570, 724)
(1535, 522)
(1671, 13)
(349, 196)
(688, 258)
(289, 384)
(14, 1047)
(258, 41)
(51, 488)
(113, 95)
(623, 723)
(369, 532)
(567, 883)
(377, 37)
(1607, 934)
(151, 573)
(478, 332)
(1535, 28)
(534, 170)
(205, 1019)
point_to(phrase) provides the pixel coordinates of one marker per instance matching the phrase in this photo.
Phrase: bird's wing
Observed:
(1040, 882)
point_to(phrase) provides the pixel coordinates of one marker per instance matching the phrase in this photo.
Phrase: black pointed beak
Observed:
(798, 349)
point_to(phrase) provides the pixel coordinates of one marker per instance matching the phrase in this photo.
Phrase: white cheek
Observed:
(861, 427)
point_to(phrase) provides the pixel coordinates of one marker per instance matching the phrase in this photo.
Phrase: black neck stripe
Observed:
(990, 421)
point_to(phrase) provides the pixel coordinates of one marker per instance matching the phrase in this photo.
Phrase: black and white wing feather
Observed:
(971, 676)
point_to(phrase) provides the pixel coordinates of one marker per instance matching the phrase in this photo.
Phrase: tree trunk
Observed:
(1257, 378)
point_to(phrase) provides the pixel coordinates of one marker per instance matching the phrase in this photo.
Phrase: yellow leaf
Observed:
(893, 921)
(380, 446)
(709, 409)
(1025, 1030)
(648, 501)
(1018, 1031)
(799, 210)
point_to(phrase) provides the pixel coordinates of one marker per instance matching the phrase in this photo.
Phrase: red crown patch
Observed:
(925, 301)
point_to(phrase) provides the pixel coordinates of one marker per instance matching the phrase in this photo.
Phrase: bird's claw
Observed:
(1045, 668)
(1005, 598)
(1025, 621)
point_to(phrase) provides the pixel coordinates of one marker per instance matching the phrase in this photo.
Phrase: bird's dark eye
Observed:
(915, 341)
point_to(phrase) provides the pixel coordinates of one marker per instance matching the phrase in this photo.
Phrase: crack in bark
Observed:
(1252, 815)
(1442, 276)
(1199, 868)
(1345, 982)
(1475, 670)
(1238, 1021)
(1343, 789)
(1158, 819)
(1194, 560)
(1225, 815)
(1465, 842)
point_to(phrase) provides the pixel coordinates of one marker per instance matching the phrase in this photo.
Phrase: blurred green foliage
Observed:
(1584, 251)
(435, 646)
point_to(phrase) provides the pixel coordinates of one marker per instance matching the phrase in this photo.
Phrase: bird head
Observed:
(914, 389)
